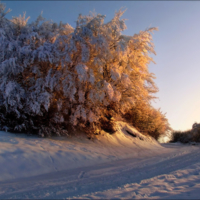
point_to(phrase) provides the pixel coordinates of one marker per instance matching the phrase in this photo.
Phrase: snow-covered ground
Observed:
(114, 166)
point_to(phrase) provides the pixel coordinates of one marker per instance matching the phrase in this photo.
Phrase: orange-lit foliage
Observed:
(54, 78)
(147, 119)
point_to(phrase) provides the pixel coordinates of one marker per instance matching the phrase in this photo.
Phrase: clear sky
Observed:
(177, 44)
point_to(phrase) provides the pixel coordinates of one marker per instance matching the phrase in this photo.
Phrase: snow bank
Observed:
(25, 156)
(125, 164)
(175, 176)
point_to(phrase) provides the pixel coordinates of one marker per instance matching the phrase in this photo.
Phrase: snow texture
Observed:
(124, 165)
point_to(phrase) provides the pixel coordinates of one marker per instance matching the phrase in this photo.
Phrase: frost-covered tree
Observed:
(106, 72)
(54, 77)
(28, 60)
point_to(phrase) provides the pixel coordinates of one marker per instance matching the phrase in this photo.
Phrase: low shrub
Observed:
(192, 135)
(181, 136)
(148, 120)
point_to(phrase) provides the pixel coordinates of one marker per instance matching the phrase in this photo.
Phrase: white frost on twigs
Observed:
(108, 89)
(91, 117)
(82, 70)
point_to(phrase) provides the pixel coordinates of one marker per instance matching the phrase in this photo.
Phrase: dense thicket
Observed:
(54, 77)
(192, 135)
(148, 120)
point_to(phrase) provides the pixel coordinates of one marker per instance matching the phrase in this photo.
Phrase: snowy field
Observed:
(114, 166)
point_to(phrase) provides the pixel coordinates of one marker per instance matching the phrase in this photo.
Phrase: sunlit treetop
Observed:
(74, 75)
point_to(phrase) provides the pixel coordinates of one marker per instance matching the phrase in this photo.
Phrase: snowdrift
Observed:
(24, 156)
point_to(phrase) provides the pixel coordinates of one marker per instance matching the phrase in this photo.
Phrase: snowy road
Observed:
(174, 174)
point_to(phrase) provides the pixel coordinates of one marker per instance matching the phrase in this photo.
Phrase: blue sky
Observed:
(176, 43)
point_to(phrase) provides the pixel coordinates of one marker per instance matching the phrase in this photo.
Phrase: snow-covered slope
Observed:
(125, 164)
(25, 156)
